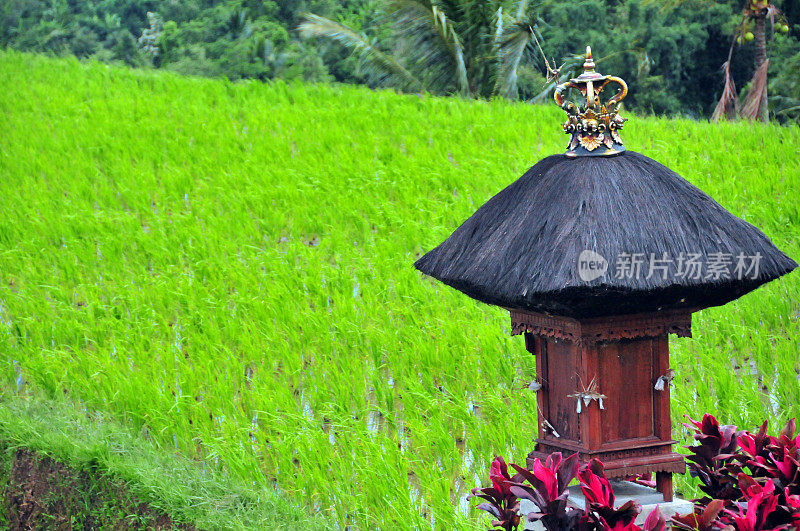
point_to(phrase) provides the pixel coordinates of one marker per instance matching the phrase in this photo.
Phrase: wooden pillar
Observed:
(664, 485)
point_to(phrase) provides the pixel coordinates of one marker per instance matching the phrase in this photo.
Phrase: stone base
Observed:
(623, 491)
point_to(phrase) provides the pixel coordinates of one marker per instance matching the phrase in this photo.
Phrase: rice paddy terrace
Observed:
(228, 270)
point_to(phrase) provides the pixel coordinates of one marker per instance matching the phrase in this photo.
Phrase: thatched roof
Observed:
(520, 250)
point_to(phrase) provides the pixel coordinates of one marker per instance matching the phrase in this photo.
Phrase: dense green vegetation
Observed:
(251, 38)
(670, 52)
(227, 269)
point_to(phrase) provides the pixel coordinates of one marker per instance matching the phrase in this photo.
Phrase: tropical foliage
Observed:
(232, 38)
(669, 51)
(545, 485)
(751, 482)
(464, 47)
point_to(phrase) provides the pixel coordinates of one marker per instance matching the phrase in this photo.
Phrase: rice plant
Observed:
(229, 269)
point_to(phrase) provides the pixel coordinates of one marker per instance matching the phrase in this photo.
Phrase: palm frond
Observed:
(498, 26)
(643, 62)
(432, 43)
(498, 35)
(789, 108)
(511, 48)
(387, 67)
(522, 8)
(751, 109)
(510, 45)
(729, 101)
(510, 53)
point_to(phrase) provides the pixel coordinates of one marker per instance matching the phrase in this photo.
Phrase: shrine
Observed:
(599, 254)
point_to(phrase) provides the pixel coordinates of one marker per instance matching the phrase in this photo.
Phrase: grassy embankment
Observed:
(227, 269)
(114, 478)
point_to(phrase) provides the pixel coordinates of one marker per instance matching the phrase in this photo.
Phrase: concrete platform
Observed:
(623, 491)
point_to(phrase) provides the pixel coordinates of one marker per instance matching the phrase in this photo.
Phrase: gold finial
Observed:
(593, 127)
(588, 65)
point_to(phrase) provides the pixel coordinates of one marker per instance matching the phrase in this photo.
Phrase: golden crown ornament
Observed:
(593, 128)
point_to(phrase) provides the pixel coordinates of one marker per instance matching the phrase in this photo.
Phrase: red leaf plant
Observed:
(761, 506)
(500, 501)
(777, 458)
(713, 460)
(600, 510)
(762, 511)
(546, 486)
(702, 519)
(766, 499)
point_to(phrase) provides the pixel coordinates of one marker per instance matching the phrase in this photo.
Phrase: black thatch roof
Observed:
(520, 250)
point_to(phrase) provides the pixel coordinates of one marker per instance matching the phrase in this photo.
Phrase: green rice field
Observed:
(227, 269)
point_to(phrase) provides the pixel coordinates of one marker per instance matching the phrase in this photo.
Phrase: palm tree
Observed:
(237, 22)
(468, 47)
(753, 28)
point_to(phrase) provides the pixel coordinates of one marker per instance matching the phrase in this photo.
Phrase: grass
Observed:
(227, 268)
(94, 441)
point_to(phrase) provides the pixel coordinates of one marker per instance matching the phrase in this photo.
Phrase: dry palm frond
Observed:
(384, 65)
(568, 69)
(433, 43)
(752, 103)
(729, 101)
(772, 12)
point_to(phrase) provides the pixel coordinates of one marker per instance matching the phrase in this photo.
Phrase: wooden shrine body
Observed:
(625, 356)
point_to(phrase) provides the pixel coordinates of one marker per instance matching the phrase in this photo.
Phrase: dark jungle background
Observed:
(669, 51)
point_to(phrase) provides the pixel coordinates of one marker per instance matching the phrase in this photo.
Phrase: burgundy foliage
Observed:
(600, 513)
(751, 482)
(546, 486)
(752, 479)
(702, 519)
(713, 459)
(499, 500)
